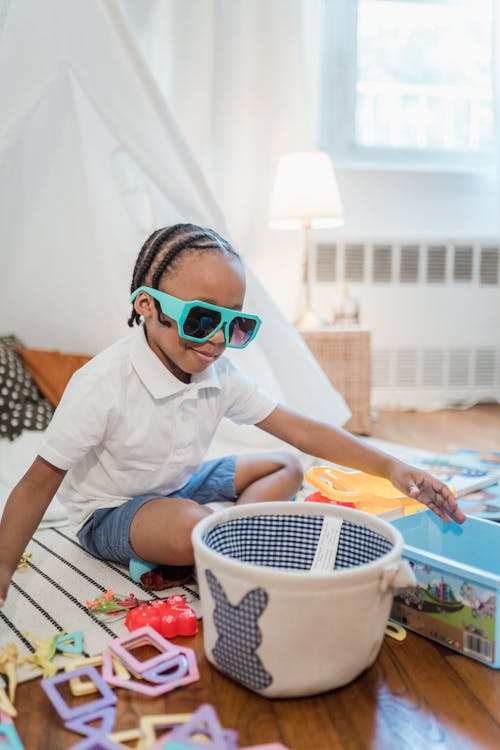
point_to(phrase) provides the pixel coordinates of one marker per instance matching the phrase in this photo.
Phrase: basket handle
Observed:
(397, 575)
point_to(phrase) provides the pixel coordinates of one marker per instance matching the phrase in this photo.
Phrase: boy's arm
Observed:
(335, 445)
(24, 510)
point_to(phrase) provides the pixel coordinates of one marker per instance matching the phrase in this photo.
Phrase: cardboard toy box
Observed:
(456, 599)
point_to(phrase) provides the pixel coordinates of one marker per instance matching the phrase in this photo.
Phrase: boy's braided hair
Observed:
(162, 249)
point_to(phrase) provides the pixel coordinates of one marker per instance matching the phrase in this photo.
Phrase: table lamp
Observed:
(305, 196)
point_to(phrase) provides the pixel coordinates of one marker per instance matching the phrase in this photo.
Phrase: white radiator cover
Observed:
(433, 308)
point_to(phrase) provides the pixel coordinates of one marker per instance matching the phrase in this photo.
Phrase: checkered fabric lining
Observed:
(290, 542)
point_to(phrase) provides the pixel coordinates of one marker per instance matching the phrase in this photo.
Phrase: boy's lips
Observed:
(207, 356)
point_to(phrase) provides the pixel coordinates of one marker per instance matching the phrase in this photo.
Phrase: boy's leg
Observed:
(262, 477)
(160, 531)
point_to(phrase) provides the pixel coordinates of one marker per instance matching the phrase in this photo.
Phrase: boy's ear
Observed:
(144, 305)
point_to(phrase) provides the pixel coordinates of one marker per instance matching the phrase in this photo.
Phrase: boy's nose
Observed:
(218, 337)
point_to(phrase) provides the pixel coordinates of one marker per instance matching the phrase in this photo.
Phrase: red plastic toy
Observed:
(169, 617)
(318, 497)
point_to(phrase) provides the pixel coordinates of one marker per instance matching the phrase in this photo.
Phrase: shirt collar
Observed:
(157, 378)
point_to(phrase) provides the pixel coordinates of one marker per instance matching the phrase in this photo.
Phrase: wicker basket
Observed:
(344, 355)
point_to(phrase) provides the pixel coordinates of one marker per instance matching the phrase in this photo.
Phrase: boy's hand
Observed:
(428, 490)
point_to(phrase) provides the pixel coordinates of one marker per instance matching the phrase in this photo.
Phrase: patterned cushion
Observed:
(22, 406)
(51, 370)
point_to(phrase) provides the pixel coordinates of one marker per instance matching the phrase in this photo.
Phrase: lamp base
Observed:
(308, 321)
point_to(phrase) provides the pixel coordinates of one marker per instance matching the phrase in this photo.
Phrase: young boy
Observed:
(125, 447)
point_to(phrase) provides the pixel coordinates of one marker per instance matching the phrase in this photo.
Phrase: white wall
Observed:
(388, 205)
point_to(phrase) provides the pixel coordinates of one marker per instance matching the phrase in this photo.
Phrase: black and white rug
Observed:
(49, 596)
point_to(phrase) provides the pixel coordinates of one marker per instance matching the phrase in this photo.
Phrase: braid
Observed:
(161, 250)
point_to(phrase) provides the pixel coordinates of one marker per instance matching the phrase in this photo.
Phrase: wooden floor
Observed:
(418, 695)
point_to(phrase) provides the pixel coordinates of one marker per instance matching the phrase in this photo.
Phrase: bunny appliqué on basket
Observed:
(239, 635)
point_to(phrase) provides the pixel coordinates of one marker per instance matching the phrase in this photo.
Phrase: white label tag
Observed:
(328, 542)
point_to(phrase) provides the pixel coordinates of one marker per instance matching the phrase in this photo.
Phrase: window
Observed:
(408, 82)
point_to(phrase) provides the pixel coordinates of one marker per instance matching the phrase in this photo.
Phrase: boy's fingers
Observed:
(446, 510)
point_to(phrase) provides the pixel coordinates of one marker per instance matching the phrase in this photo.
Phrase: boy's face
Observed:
(209, 277)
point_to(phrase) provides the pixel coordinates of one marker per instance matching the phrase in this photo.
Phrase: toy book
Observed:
(483, 503)
(459, 477)
(488, 461)
(475, 476)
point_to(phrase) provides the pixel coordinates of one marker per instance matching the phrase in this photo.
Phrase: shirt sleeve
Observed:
(79, 422)
(246, 402)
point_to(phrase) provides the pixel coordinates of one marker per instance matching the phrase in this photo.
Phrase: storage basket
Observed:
(296, 596)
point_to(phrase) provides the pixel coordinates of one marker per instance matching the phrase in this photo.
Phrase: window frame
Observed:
(336, 128)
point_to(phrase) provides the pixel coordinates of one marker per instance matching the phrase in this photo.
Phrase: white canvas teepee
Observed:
(90, 163)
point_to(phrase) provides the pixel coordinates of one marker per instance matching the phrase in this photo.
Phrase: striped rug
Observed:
(49, 596)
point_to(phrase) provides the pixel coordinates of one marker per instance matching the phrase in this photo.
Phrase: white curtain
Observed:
(242, 81)
(91, 161)
(496, 89)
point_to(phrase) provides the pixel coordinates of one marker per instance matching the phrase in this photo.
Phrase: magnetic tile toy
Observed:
(85, 687)
(82, 724)
(66, 712)
(145, 636)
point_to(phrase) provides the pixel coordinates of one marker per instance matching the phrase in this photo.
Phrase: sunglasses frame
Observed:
(179, 309)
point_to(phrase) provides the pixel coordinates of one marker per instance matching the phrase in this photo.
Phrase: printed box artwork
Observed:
(456, 598)
(451, 610)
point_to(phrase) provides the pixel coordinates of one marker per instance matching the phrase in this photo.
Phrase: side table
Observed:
(344, 355)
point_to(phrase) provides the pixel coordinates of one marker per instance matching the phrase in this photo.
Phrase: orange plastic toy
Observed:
(359, 490)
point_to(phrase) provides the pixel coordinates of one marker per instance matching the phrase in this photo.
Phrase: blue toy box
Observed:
(456, 599)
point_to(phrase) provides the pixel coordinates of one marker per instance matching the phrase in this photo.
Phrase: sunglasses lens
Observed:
(200, 322)
(241, 330)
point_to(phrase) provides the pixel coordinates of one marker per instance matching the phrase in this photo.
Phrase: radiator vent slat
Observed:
(488, 269)
(326, 262)
(458, 373)
(354, 262)
(432, 367)
(462, 263)
(406, 368)
(436, 264)
(409, 264)
(382, 263)
(484, 371)
(381, 368)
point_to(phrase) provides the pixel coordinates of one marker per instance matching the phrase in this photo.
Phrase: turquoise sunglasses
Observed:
(199, 321)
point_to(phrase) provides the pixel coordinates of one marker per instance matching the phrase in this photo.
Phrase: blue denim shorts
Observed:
(106, 533)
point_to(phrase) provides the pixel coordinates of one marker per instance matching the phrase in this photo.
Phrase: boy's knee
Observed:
(161, 530)
(292, 466)
(193, 514)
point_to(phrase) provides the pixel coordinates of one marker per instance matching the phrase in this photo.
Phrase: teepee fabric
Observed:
(91, 162)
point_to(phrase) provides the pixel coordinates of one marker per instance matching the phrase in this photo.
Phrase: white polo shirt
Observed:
(127, 426)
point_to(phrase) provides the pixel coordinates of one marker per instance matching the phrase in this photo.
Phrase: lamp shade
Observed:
(305, 191)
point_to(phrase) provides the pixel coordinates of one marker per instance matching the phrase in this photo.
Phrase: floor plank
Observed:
(417, 696)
